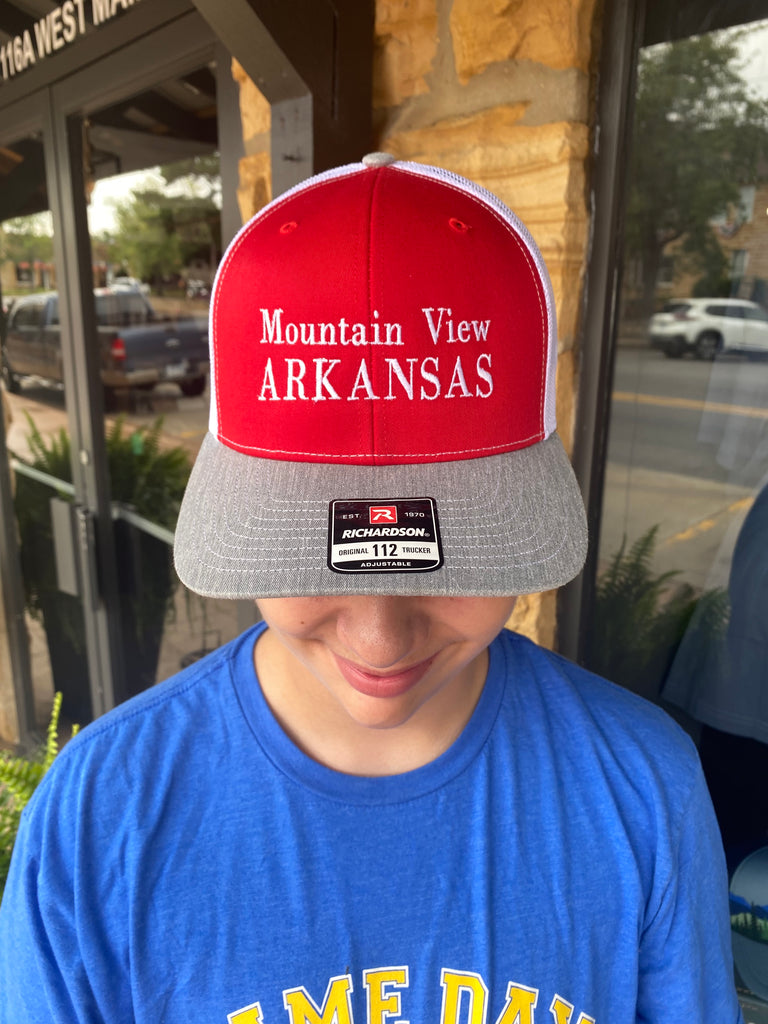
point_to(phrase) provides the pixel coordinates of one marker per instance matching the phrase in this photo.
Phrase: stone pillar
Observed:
(255, 188)
(501, 93)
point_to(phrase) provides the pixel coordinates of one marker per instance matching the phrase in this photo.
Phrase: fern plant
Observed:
(19, 778)
(142, 474)
(640, 617)
(146, 476)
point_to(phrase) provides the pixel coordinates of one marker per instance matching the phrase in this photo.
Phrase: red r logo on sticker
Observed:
(382, 514)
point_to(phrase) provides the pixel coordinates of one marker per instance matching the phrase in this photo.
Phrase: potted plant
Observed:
(149, 479)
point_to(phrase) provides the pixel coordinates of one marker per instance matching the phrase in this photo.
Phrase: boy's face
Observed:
(381, 660)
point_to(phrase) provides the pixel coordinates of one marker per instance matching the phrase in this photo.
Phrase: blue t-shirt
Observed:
(183, 862)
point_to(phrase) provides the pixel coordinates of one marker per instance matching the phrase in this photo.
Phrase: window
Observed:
(739, 261)
(681, 587)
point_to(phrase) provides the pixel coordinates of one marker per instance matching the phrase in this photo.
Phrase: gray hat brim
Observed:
(255, 528)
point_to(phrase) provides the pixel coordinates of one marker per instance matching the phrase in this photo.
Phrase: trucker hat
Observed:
(382, 384)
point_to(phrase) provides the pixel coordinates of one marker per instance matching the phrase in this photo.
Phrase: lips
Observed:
(391, 684)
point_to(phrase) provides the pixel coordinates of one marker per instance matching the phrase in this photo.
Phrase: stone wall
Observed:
(499, 91)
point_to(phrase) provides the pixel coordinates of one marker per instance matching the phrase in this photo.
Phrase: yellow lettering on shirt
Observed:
(336, 1008)
(247, 1015)
(520, 1004)
(463, 983)
(384, 1006)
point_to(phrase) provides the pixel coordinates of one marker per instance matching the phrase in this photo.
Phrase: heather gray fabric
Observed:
(252, 527)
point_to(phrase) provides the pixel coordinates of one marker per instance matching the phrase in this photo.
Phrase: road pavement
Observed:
(688, 450)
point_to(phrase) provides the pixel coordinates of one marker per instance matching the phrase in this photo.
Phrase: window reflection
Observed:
(681, 611)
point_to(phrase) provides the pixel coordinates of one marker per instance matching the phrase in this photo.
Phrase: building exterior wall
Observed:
(499, 92)
(740, 232)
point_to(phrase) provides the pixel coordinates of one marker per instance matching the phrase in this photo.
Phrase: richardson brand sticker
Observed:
(384, 535)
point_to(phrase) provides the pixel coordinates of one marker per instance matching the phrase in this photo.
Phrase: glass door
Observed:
(111, 226)
(154, 216)
(38, 433)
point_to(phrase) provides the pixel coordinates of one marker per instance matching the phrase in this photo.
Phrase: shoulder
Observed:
(613, 728)
(564, 682)
(171, 728)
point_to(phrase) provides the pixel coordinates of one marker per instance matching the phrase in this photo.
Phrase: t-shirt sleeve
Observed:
(686, 965)
(53, 961)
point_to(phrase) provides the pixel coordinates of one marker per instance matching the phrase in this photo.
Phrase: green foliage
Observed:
(146, 238)
(26, 239)
(704, 255)
(148, 478)
(144, 475)
(698, 136)
(19, 778)
(752, 925)
(197, 175)
(640, 617)
(160, 231)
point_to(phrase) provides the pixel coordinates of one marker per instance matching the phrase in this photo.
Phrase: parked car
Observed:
(709, 327)
(197, 289)
(129, 284)
(139, 348)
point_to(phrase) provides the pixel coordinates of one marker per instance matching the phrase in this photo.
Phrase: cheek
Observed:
(298, 617)
(482, 617)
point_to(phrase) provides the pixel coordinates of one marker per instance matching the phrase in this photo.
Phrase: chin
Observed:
(379, 713)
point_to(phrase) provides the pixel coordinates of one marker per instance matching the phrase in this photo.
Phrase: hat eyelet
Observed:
(458, 225)
(288, 227)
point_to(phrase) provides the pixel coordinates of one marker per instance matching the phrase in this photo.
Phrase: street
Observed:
(688, 450)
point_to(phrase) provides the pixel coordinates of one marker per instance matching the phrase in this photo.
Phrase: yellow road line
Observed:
(742, 505)
(690, 403)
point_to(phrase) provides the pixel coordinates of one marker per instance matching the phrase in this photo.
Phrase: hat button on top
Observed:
(378, 159)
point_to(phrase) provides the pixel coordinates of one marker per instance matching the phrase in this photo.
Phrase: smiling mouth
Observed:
(390, 684)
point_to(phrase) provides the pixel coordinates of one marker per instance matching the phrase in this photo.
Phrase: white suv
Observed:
(708, 327)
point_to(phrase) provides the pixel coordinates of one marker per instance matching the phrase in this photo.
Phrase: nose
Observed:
(380, 632)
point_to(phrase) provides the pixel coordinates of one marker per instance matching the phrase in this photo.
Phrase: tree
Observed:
(698, 137)
(159, 231)
(195, 185)
(198, 175)
(146, 240)
(27, 239)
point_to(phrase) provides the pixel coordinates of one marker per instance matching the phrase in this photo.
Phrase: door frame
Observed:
(56, 113)
(27, 118)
